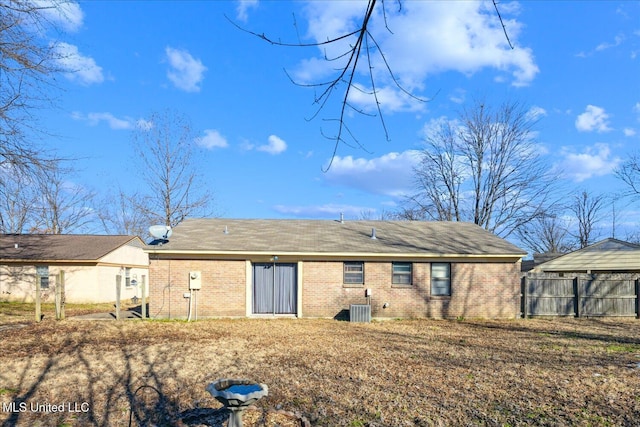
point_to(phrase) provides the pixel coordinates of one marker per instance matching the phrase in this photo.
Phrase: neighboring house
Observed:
(317, 268)
(598, 280)
(606, 256)
(90, 264)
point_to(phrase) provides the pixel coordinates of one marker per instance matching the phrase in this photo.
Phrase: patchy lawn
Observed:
(19, 312)
(393, 373)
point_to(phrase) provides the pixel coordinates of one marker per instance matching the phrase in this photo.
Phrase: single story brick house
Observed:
(318, 268)
(90, 263)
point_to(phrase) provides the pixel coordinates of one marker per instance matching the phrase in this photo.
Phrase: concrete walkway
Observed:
(124, 315)
(9, 326)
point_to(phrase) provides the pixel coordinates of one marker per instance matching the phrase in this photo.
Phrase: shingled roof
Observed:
(280, 236)
(60, 247)
(606, 255)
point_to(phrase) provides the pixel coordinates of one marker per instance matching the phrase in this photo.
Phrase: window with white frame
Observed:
(127, 277)
(441, 279)
(401, 273)
(354, 273)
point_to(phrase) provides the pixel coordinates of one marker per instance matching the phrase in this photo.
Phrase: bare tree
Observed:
(28, 63)
(62, 206)
(484, 168)
(174, 190)
(118, 215)
(588, 210)
(17, 199)
(546, 234)
(384, 215)
(440, 176)
(633, 236)
(629, 173)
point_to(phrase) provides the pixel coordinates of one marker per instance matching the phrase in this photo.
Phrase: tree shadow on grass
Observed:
(207, 416)
(604, 331)
(111, 390)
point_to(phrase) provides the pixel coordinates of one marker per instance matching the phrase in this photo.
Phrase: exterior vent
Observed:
(360, 313)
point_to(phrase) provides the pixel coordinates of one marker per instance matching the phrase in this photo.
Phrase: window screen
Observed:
(440, 279)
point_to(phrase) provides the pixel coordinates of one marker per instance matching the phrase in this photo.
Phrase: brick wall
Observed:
(223, 290)
(478, 290)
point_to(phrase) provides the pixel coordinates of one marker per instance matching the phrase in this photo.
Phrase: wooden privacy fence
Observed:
(583, 295)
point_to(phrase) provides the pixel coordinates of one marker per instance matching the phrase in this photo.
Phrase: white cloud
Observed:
(390, 174)
(593, 161)
(77, 67)
(212, 139)
(593, 119)
(94, 119)
(629, 132)
(66, 14)
(327, 211)
(608, 45)
(388, 97)
(536, 112)
(274, 146)
(428, 38)
(458, 96)
(185, 72)
(144, 124)
(242, 11)
(110, 119)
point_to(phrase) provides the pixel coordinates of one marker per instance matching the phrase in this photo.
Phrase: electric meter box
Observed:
(195, 280)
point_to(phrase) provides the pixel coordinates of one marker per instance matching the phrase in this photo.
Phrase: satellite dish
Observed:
(160, 231)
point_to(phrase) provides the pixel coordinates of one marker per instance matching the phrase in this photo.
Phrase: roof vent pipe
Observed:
(341, 218)
(373, 234)
(226, 230)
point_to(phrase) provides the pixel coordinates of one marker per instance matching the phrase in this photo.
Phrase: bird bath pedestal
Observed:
(237, 395)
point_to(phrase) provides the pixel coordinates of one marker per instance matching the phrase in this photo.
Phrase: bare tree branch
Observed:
(17, 199)
(118, 215)
(629, 173)
(173, 191)
(546, 234)
(588, 211)
(484, 169)
(28, 65)
(504, 28)
(364, 44)
(62, 206)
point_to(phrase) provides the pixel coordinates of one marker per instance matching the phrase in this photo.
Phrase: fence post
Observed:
(118, 282)
(63, 294)
(38, 299)
(60, 296)
(525, 303)
(58, 299)
(637, 298)
(144, 297)
(576, 296)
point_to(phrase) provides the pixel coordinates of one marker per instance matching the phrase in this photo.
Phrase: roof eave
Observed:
(333, 254)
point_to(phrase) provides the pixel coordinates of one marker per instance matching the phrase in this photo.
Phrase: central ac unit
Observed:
(360, 313)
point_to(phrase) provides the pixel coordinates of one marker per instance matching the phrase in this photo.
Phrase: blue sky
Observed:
(576, 63)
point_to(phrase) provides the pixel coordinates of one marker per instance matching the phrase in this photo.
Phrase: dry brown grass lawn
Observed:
(393, 373)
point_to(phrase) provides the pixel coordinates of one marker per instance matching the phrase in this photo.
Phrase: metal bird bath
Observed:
(237, 395)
